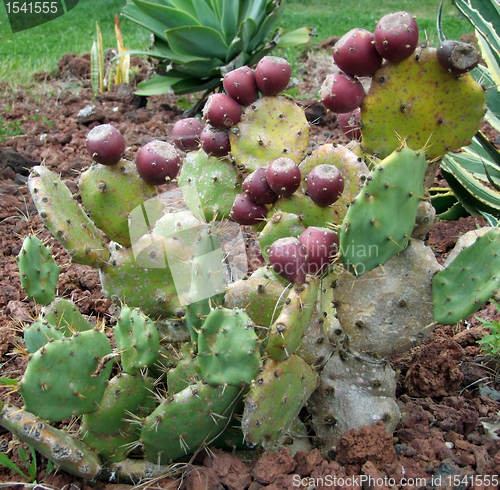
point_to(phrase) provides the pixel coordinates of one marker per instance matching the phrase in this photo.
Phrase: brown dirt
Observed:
(446, 387)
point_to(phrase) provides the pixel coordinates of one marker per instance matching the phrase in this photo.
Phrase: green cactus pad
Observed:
(270, 128)
(66, 219)
(469, 281)
(260, 297)
(111, 192)
(186, 420)
(352, 168)
(58, 381)
(287, 331)
(109, 430)
(65, 315)
(150, 286)
(275, 399)
(57, 445)
(421, 102)
(379, 223)
(228, 348)
(38, 270)
(209, 185)
(39, 333)
(281, 225)
(310, 213)
(137, 340)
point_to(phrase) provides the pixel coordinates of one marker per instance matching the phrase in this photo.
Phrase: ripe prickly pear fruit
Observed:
(186, 133)
(105, 144)
(283, 176)
(349, 123)
(355, 53)
(247, 212)
(257, 188)
(272, 75)
(221, 111)
(287, 257)
(215, 142)
(322, 245)
(158, 162)
(341, 93)
(325, 184)
(396, 36)
(240, 84)
(457, 57)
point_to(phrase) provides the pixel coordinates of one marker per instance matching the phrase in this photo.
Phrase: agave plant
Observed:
(474, 174)
(198, 41)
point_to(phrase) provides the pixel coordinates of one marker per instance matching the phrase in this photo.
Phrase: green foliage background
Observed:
(38, 49)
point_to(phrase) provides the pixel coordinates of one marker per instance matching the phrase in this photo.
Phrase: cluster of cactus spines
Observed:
(62, 377)
(370, 233)
(66, 219)
(38, 270)
(275, 398)
(239, 360)
(110, 193)
(110, 430)
(181, 423)
(137, 340)
(469, 281)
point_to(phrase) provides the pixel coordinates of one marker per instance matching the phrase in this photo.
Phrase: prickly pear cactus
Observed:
(419, 101)
(38, 270)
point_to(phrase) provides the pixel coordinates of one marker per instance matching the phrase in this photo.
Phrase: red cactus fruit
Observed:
(341, 93)
(221, 111)
(325, 184)
(105, 144)
(322, 245)
(240, 84)
(457, 57)
(158, 162)
(272, 75)
(247, 212)
(283, 176)
(257, 188)
(287, 257)
(186, 133)
(396, 36)
(215, 142)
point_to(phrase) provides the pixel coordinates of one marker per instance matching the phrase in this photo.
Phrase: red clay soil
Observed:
(447, 388)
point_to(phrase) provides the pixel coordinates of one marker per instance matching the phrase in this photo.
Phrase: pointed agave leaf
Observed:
(156, 85)
(191, 85)
(266, 26)
(206, 15)
(482, 75)
(247, 31)
(234, 49)
(199, 69)
(130, 11)
(185, 5)
(204, 41)
(229, 19)
(168, 16)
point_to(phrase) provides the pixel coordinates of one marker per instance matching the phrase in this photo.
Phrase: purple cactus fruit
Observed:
(355, 53)
(283, 176)
(341, 93)
(322, 245)
(325, 184)
(215, 142)
(247, 212)
(105, 144)
(240, 84)
(396, 36)
(457, 57)
(257, 188)
(221, 111)
(272, 75)
(349, 124)
(186, 133)
(158, 162)
(287, 257)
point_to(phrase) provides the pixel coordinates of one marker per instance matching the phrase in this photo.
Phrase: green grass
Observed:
(38, 49)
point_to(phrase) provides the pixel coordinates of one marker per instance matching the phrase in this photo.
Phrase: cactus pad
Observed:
(58, 381)
(38, 270)
(379, 223)
(228, 348)
(469, 281)
(64, 314)
(110, 193)
(66, 219)
(421, 102)
(270, 128)
(275, 399)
